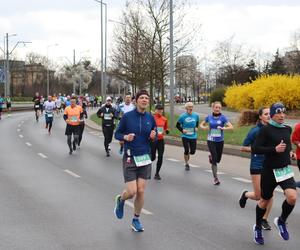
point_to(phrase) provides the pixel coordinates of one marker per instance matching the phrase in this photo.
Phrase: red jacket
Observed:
(162, 125)
(296, 138)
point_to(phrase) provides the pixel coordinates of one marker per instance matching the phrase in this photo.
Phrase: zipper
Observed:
(140, 124)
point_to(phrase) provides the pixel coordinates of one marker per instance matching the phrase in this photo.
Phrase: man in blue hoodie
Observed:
(136, 128)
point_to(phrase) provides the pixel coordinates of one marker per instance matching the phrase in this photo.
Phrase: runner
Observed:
(58, 105)
(274, 141)
(8, 105)
(37, 105)
(82, 123)
(108, 115)
(216, 123)
(256, 164)
(49, 107)
(72, 115)
(136, 128)
(159, 144)
(42, 100)
(2, 101)
(296, 141)
(125, 107)
(188, 124)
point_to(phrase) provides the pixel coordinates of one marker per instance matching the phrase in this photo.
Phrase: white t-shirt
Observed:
(127, 108)
(49, 106)
(58, 103)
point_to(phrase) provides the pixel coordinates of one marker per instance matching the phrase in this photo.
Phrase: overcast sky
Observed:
(75, 24)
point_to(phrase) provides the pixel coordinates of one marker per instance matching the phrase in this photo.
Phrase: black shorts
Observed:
(8, 105)
(131, 172)
(268, 184)
(189, 145)
(256, 171)
(0, 110)
(75, 130)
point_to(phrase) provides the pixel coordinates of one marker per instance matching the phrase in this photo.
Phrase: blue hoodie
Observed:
(141, 125)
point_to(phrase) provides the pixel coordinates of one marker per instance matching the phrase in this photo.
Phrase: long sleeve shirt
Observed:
(141, 124)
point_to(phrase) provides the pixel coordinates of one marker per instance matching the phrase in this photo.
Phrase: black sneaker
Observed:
(157, 177)
(217, 182)
(74, 146)
(187, 167)
(71, 151)
(243, 199)
(107, 154)
(265, 225)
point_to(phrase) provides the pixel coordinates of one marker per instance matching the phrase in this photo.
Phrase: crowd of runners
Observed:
(141, 136)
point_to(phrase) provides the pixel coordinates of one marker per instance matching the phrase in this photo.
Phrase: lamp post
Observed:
(171, 68)
(48, 87)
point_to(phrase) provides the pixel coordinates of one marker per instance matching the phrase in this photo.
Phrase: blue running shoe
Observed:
(119, 207)
(282, 229)
(258, 235)
(137, 226)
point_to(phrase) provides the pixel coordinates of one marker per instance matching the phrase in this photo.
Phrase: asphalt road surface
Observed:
(51, 200)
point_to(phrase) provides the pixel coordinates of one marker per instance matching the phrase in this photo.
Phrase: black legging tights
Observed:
(80, 133)
(108, 132)
(49, 123)
(216, 151)
(75, 141)
(158, 146)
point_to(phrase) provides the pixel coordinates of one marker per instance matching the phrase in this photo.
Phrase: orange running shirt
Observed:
(162, 125)
(73, 115)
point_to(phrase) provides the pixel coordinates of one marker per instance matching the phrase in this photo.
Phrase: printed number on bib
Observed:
(160, 130)
(190, 131)
(282, 174)
(142, 160)
(107, 117)
(50, 115)
(215, 133)
(37, 106)
(74, 119)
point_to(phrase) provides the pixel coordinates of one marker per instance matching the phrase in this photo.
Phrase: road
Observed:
(51, 200)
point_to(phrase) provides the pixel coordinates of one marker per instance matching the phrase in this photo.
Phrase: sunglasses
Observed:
(280, 110)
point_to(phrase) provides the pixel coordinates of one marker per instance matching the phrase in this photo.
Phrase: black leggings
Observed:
(158, 146)
(108, 135)
(189, 145)
(216, 151)
(81, 126)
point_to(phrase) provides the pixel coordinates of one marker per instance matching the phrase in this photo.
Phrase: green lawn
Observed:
(234, 137)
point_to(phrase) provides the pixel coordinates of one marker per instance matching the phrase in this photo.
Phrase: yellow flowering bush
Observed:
(264, 91)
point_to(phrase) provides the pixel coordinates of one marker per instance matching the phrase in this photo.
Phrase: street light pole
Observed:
(171, 68)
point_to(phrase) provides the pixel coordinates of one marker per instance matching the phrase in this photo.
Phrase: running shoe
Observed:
(136, 225)
(187, 167)
(258, 237)
(243, 199)
(157, 177)
(74, 146)
(217, 182)
(107, 154)
(119, 207)
(282, 229)
(265, 225)
(71, 151)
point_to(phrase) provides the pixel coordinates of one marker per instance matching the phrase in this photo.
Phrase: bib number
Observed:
(215, 133)
(37, 106)
(107, 117)
(282, 174)
(142, 160)
(49, 115)
(160, 130)
(74, 119)
(190, 131)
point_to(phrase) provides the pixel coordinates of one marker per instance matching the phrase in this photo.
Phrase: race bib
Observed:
(74, 119)
(107, 117)
(49, 115)
(37, 106)
(142, 160)
(190, 131)
(160, 130)
(282, 174)
(215, 133)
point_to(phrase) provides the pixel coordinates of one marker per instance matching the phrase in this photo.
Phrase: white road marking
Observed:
(101, 136)
(171, 159)
(19, 125)
(72, 173)
(28, 144)
(93, 132)
(242, 179)
(279, 190)
(144, 211)
(210, 171)
(42, 155)
(21, 136)
(194, 166)
(18, 130)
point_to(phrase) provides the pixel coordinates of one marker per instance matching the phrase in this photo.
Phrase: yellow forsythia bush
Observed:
(264, 91)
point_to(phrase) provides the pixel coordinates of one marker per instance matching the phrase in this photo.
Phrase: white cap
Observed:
(108, 98)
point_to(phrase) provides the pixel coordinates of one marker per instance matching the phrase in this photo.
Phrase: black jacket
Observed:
(109, 115)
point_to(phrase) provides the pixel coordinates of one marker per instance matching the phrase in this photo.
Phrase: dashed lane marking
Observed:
(42, 155)
(72, 173)
(28, 144)
(21, 136)
(144, 211)
(241, 179)
(172, 159)
(210, 171)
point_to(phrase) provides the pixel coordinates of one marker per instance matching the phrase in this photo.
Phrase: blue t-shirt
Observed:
(189, 123)
(215, 134)
(257, 160)
(1, 102)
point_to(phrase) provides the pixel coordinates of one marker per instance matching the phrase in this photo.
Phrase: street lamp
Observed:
(51, 45)
(103, 68)
(171, 68)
